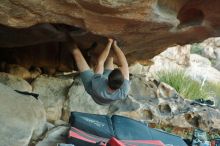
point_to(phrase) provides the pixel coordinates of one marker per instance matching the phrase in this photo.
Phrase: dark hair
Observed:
(115, 79)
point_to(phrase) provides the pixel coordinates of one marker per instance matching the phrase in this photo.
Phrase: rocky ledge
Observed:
(143, 28)
(149, 101)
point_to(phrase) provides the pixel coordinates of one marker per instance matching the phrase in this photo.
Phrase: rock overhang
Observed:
(143, 28)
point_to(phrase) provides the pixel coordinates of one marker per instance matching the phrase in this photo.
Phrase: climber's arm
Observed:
(123, 64)
(102, 58)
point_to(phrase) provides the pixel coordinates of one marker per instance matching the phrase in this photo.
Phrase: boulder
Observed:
(201, 70)
(155, 102)
(140, 89)
(204, 117)
(54, 136)
(204, 74)
(79, 100)
(22, 118)
(211, 50)
(16, 83)
(217, 101)
(174, 58)
(18, 71)
(147, 101)
(217, 61)
(197, 60)
(207, 48)
(52, 92)
(179, 58)
(138, 68)
(217, 42)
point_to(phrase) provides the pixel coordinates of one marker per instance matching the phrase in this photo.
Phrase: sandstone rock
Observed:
(35, 72)
(178, 54)
(208, 47)
(22, 117)
(217, 61)
(203, 117)
(52, 91)
(217, 42)
(40, 56)
(156, 102)
(166, 91)
(217, 101)
(204, 74)
(148, 100)
(80, 101)
(133, 109)
(135, 69)
(18, 71)
(180, 121)
(212, 42)
(54, 136)
(211, 50)
(125, 106)
(217, 53)
(201, 69)
(142, 90)
(217, 66)
(61, 122)
(15, 82)
(179, 58)
(197, 60)
(144, 28)
(174, 58)
(138, 69)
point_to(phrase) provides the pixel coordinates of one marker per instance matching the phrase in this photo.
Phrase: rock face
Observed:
(173, 58)
(148, 100)
(15, 82)
(80, 100)
(210, 49)
(22, 117)
(52, 92)
(159, 103)
(143, 28)
(201, 69)
(180, 58)
(54, 136)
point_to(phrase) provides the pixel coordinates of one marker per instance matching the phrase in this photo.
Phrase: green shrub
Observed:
(183, 84)
(196, 49)
(213, 88)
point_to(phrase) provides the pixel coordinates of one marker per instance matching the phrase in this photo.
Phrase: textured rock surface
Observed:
(144, 28)
(200, 69)
(210, 49)
(179, 58)
(209, 46)
(18, 71)
(54, 136)
(79, 100)
(52, 91)
(14, 82)
(22, 117)
(164, 105)
(173, 58)
(148, 100)
(138, 69)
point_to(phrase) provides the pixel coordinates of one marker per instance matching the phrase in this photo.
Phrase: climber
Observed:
(105, 84)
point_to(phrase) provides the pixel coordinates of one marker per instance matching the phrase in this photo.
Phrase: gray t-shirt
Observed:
(101, 93)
